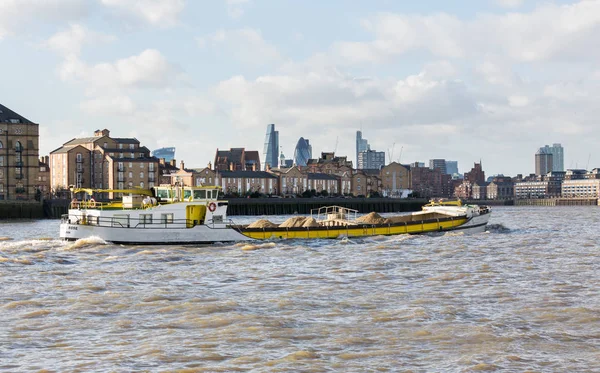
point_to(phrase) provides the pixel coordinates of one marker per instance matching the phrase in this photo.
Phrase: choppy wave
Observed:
(522, 297)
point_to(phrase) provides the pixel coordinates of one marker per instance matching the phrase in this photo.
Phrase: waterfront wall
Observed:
(21, 210)
(557, 202)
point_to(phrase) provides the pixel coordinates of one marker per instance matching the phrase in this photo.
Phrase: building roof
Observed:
(126, 140)
(320, 176)
(6, 115)
(82, 140)
(247, 174)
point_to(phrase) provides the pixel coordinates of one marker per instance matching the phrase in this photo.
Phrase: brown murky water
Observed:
(523, 297)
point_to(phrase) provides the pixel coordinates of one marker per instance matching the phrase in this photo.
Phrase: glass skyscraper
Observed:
(362, 145)
(303, 152)
(271, 151)
(558, 157)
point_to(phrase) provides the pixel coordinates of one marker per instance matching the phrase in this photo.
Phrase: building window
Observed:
(1, 160)
(1, 188)
(120, 146)
(141, 165)
(105, 144)
(141, 184)
(1, 146)
(131, 146)
(130, 164)
(151, 167)
(142, 175)
(132, 155)
(141, 155)
(18, 147)
(130, 174)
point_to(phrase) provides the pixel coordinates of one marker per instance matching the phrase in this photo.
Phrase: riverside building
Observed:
(102, 162)
(19, 152)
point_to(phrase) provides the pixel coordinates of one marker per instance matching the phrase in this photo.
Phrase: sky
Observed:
(465, 80)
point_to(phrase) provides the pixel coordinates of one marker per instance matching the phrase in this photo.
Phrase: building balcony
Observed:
(20, 190)
(121, 169)
(19, 164)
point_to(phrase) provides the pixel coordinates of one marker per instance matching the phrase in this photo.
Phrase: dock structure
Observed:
(557, 202)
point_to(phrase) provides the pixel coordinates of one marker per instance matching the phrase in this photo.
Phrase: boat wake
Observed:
(497, 228)
(83, 242)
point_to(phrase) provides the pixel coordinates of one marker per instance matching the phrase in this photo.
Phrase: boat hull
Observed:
(364, 230)
(201, 234)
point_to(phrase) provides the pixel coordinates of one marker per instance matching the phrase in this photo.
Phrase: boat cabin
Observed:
(170, 193)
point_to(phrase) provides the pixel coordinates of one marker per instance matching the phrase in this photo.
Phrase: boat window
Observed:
(146, 218)
(187, 193)
(166, 218)
(120, 220)
(199, 194)
(162, 193)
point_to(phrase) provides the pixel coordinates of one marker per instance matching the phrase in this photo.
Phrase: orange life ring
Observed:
(92, 203)
(212, 207)
(74, 203)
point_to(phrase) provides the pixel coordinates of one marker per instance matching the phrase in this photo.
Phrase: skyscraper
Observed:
(452, 167)
(543, 162)
(439, 164)
(303, 152)
(362, 145)
(271, 151)
(371, 159)
(558, 158)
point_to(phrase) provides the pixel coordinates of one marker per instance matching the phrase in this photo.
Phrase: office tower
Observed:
(303, 152)
(558, 157)
(167, 153)
(439, 164)
(452, 167)
(371, 159)
(271, 151)
(543, 162)
(362, 145)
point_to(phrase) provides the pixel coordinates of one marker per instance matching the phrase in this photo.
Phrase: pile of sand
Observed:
(262, 223)
(372, 218)
(310, 223)
(293, 222)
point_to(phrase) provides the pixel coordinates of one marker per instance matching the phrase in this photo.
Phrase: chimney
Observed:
(209, 166)
(47, 160)
(173, 163)
(181, 165)
(161, 161)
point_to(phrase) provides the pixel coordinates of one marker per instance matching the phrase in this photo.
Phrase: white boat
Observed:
(165, 215)
(186, 215)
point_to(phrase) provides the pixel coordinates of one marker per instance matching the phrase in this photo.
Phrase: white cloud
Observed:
(149, 69)
(235, 8)
(550, 32)
(19, 14)
(509, 3)
(71, 41)
(162, 13)
(109, 105)
(247, 45)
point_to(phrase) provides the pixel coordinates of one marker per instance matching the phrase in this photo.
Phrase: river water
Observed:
(522, 297)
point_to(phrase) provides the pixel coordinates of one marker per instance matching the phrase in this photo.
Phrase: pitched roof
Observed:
(126, 140)
(320, 176)
(82, 140)
(247, 174)
(7, 115)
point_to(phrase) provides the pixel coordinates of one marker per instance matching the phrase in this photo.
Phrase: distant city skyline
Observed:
(467, 81)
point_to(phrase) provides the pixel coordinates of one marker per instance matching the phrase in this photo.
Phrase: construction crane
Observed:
(336, 144)
(400, 156)
(391, 153)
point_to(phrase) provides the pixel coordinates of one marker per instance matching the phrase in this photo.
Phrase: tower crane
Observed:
(391, 153)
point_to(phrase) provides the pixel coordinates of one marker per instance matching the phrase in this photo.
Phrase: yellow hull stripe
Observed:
(360, 231)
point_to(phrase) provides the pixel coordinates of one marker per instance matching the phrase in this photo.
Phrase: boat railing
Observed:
(144, 223)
